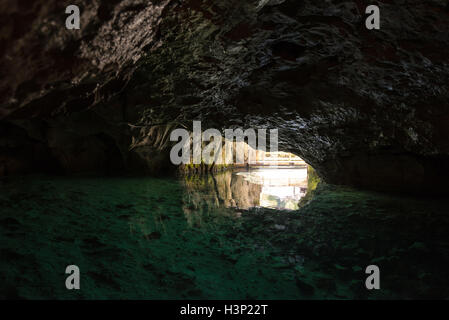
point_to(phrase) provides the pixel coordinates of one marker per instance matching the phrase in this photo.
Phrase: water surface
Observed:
(212, 237)
(130, 237)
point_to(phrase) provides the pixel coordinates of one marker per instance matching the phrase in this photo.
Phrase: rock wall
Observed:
(364, 107)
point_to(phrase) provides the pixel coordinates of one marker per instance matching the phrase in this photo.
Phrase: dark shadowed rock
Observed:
(365, 108)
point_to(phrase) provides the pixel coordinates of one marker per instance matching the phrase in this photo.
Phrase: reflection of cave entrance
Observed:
(282, 177)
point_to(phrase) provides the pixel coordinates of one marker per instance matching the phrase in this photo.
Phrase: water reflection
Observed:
(277, 188)
(281, 188)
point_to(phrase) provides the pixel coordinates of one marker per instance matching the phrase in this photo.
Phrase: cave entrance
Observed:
(275, 180)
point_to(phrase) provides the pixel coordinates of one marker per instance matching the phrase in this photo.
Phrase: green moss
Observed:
(313, 180)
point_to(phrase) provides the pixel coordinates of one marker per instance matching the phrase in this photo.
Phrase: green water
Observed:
(148, 238)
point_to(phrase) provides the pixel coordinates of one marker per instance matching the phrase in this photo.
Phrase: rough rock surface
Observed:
(365, 108)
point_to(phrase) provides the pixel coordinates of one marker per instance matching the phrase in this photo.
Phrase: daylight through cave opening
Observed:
(283, 178)
(244, 177)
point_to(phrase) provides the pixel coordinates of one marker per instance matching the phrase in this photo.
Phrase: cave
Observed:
(361, 156)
